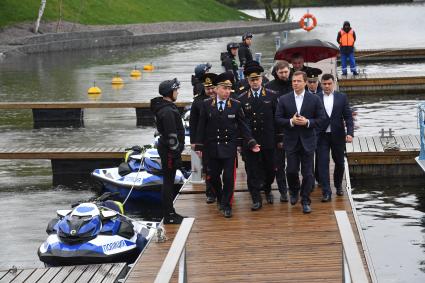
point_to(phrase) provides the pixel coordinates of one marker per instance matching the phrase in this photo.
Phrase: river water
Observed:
(392, 216)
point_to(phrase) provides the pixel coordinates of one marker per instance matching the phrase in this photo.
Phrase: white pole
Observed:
(40, 14)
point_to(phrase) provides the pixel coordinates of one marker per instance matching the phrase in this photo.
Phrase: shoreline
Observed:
(19, 40)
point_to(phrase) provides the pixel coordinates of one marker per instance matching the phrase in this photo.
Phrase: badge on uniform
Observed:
(247, 106)
(232, 116)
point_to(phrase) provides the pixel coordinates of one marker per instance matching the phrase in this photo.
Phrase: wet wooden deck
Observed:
(96, 273)
(276, 244)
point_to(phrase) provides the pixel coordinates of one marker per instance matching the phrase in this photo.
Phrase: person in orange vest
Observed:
(346, 38)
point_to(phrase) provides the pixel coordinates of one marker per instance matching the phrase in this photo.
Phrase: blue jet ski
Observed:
(95, 232)
(140, 172)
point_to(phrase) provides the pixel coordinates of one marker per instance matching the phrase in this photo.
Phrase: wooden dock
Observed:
(275, 244)
(368, 158)
(365, 84)
(380, 55)
(105, 273)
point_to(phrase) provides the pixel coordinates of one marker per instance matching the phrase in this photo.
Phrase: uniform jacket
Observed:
(280, 87)
(218, 132)
(260, 114)
(195, 112)
(244, 54)
(169, 124)
(341, 117)
(312, 109)
(229, 64)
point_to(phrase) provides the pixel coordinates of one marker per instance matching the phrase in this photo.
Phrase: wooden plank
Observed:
(50, 274)
(363, 144)
(116, 271)
(370, 144)
(101, 273)
(75, 274)
(400, 142)
(378, 144)
(3, 273)
(23, 275)
(89, 273)
(356, 145)
(407, 142)
(349, 147)
(63, 274)
(37, 274)
(9, 276)
(414, 141)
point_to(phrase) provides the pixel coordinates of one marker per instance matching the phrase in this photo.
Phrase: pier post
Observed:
(51, 118)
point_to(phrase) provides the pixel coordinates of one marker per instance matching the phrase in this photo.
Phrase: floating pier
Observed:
(380, 55)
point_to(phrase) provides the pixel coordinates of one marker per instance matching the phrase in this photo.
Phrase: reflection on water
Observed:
(392, 215)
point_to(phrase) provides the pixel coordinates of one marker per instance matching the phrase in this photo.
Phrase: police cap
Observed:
(253, 71)
(224, 79)
(208, 78)
(313, 73)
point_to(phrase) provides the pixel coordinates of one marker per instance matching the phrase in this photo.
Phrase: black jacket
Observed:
(260, 114)
(219, 132)
(198, 85)
(169, 124)
(228, 61)
(245, 54)
(280, 87)
(195, 112)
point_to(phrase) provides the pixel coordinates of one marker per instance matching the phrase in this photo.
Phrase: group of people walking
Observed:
(277, 126)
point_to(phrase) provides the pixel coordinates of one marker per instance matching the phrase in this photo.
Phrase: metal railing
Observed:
(363, 242)
(421, 122)
(176, 254)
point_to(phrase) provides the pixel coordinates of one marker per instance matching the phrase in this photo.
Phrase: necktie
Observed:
(220, 108)
(255, 94)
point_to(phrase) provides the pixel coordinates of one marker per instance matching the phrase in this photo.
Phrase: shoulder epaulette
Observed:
(234, 100)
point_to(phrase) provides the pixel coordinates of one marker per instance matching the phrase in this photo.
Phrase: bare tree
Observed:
(40, 14)
(283, 8)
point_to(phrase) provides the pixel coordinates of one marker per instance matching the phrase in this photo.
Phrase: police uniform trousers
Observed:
(280, 164)
(222, 168)
(324, 146)
(260, 169)
(209, 190)
(294, 157)
(169, 165)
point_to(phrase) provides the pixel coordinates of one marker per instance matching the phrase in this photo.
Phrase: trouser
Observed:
(324, 146)
(294, 158)
(169, 165)
(350, 57)
(260, 169)
(209, 189)
(222, 168)
(280, 171)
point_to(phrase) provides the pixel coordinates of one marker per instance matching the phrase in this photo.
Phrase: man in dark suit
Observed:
(195, 112)
(333, 136)
(259, 106)
(300, 113)
(221, 123)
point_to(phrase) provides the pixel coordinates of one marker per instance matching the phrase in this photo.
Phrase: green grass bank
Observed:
(104, 12)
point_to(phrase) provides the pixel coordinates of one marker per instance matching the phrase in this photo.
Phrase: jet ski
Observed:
(95, 232)
(140, 172)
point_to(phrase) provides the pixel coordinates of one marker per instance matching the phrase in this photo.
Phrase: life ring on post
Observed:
(309, 27)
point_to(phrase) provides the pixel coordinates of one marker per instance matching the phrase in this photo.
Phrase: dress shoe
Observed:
(355, 73)
(326, 198)
(284, 198)
(228, 212)
(269, 198)
(173, 218)
(210, 199)
(220, 207)
(339, 192)
(306, 208)
(256, 205)
(293, 199)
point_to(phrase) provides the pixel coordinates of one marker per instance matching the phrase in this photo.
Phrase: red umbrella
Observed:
(313, 50)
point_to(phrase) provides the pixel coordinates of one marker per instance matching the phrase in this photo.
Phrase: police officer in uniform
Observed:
(197, 84)
(195, 112)
(228, 59)
(244, 53)
(221, 123)
(313, 84)
(171, 143)
(259, 105)
(243, 85)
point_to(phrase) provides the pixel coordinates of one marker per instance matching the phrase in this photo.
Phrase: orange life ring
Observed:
(309, 27)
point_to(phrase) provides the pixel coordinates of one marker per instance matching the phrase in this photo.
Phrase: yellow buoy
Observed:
(117, 86)
(94, 96)
(148, 67)
(94, 89)
(135, 73)
(117, 80)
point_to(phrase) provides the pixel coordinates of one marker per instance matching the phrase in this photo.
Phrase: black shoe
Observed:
(173, 218)
(269, 198)
(210, 199)
(339, 192)
(284, 198)
(293, 199)
(344, 74)
(355, 73)
(306, 208)
(228, 212)
(256, 206)
(326, 198)
(219, 207)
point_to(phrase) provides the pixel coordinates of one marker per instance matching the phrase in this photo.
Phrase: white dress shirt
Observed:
(219, 104)
(299, 98)
(328, 101)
